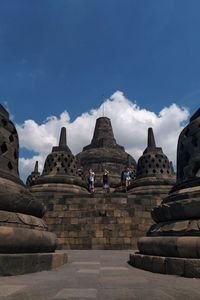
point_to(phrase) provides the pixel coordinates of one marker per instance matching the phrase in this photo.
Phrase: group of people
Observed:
(126, 177)
(91, 180)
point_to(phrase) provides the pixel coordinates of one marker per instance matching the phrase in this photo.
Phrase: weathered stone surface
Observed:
(25, 240)
(60, 171)
(188, 156)
(114, 221)
(21, 220)
(178, 216)
(153, 162)
(33, 176)
(192, 268)
(187, 267)
(15, 198)
(175, 228)
(173, 246)
(9, 147)
(188, 208)
(21, 231)
(148, 262)
(21, 263)
(154, 171)
(175, 266)
(105, 153)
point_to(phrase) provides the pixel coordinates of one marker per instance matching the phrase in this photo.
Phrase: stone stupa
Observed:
(25, 244)
(33, 176)
(60, 173)
(172, 244)
(155, 174)
(104, 153)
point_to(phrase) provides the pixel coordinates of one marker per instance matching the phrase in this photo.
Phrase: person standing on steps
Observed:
(106, 181)
(91, 179)
(123, 178)
(128, 175)
(126, 178)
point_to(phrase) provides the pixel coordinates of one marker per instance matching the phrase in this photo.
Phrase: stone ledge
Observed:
(186, 267)
(22, 263)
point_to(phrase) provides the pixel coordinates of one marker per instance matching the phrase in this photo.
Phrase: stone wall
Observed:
(110, 221)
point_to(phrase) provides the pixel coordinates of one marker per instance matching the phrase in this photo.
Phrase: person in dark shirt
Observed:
(106, 181)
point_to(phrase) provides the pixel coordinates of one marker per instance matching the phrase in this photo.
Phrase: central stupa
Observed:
(104, 153)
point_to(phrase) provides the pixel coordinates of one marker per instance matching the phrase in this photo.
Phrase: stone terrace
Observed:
(98, 274)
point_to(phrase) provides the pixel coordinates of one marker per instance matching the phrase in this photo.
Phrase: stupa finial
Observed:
(36, 167)
(63, 138)
(151, 140)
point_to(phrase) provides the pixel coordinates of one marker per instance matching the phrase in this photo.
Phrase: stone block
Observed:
(101, 240)
(57, 207)
(128, 233)
(128, 220)
(116, 240)
(82, 234)
(73, 207)
(127, 240)
(120, 220)
(192, 268)
(98, 233)
(74, 220)
(18, 264)
(150, 263)
(175, 266)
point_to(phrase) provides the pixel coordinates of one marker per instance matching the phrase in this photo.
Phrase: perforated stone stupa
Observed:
(60, 171)
(155, 173)
(172, 244)
(104, 153)
(23, 233)
(33, 176)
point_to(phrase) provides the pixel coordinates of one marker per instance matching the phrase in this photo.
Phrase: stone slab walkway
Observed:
(98, 274)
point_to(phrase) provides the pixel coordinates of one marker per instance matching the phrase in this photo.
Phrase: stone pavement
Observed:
(98, 274)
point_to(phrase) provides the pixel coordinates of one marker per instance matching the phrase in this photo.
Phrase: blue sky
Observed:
(71, 55)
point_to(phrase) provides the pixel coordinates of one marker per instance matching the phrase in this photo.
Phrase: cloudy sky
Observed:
(60, 60)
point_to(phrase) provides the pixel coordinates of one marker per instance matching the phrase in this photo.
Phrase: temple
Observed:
(158, 212)
(100, 220)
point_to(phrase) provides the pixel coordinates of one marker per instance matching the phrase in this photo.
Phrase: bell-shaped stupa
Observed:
(155, 172)
(104, 153)
(60, 171)
(172, 244)
(24, 239)
(33, 176)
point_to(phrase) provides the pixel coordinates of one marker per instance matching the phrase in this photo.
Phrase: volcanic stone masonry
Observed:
(33, 176)
(112, 220)
(172, 244)
(60, 172)
(25, 244)
(155, 173)
(105, 153)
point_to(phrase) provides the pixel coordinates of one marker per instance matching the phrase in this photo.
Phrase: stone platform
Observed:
(186, 267)
(98, 274)
(21, 263)
(112, 221)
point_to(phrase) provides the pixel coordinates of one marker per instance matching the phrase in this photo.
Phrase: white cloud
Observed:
(129, 122)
